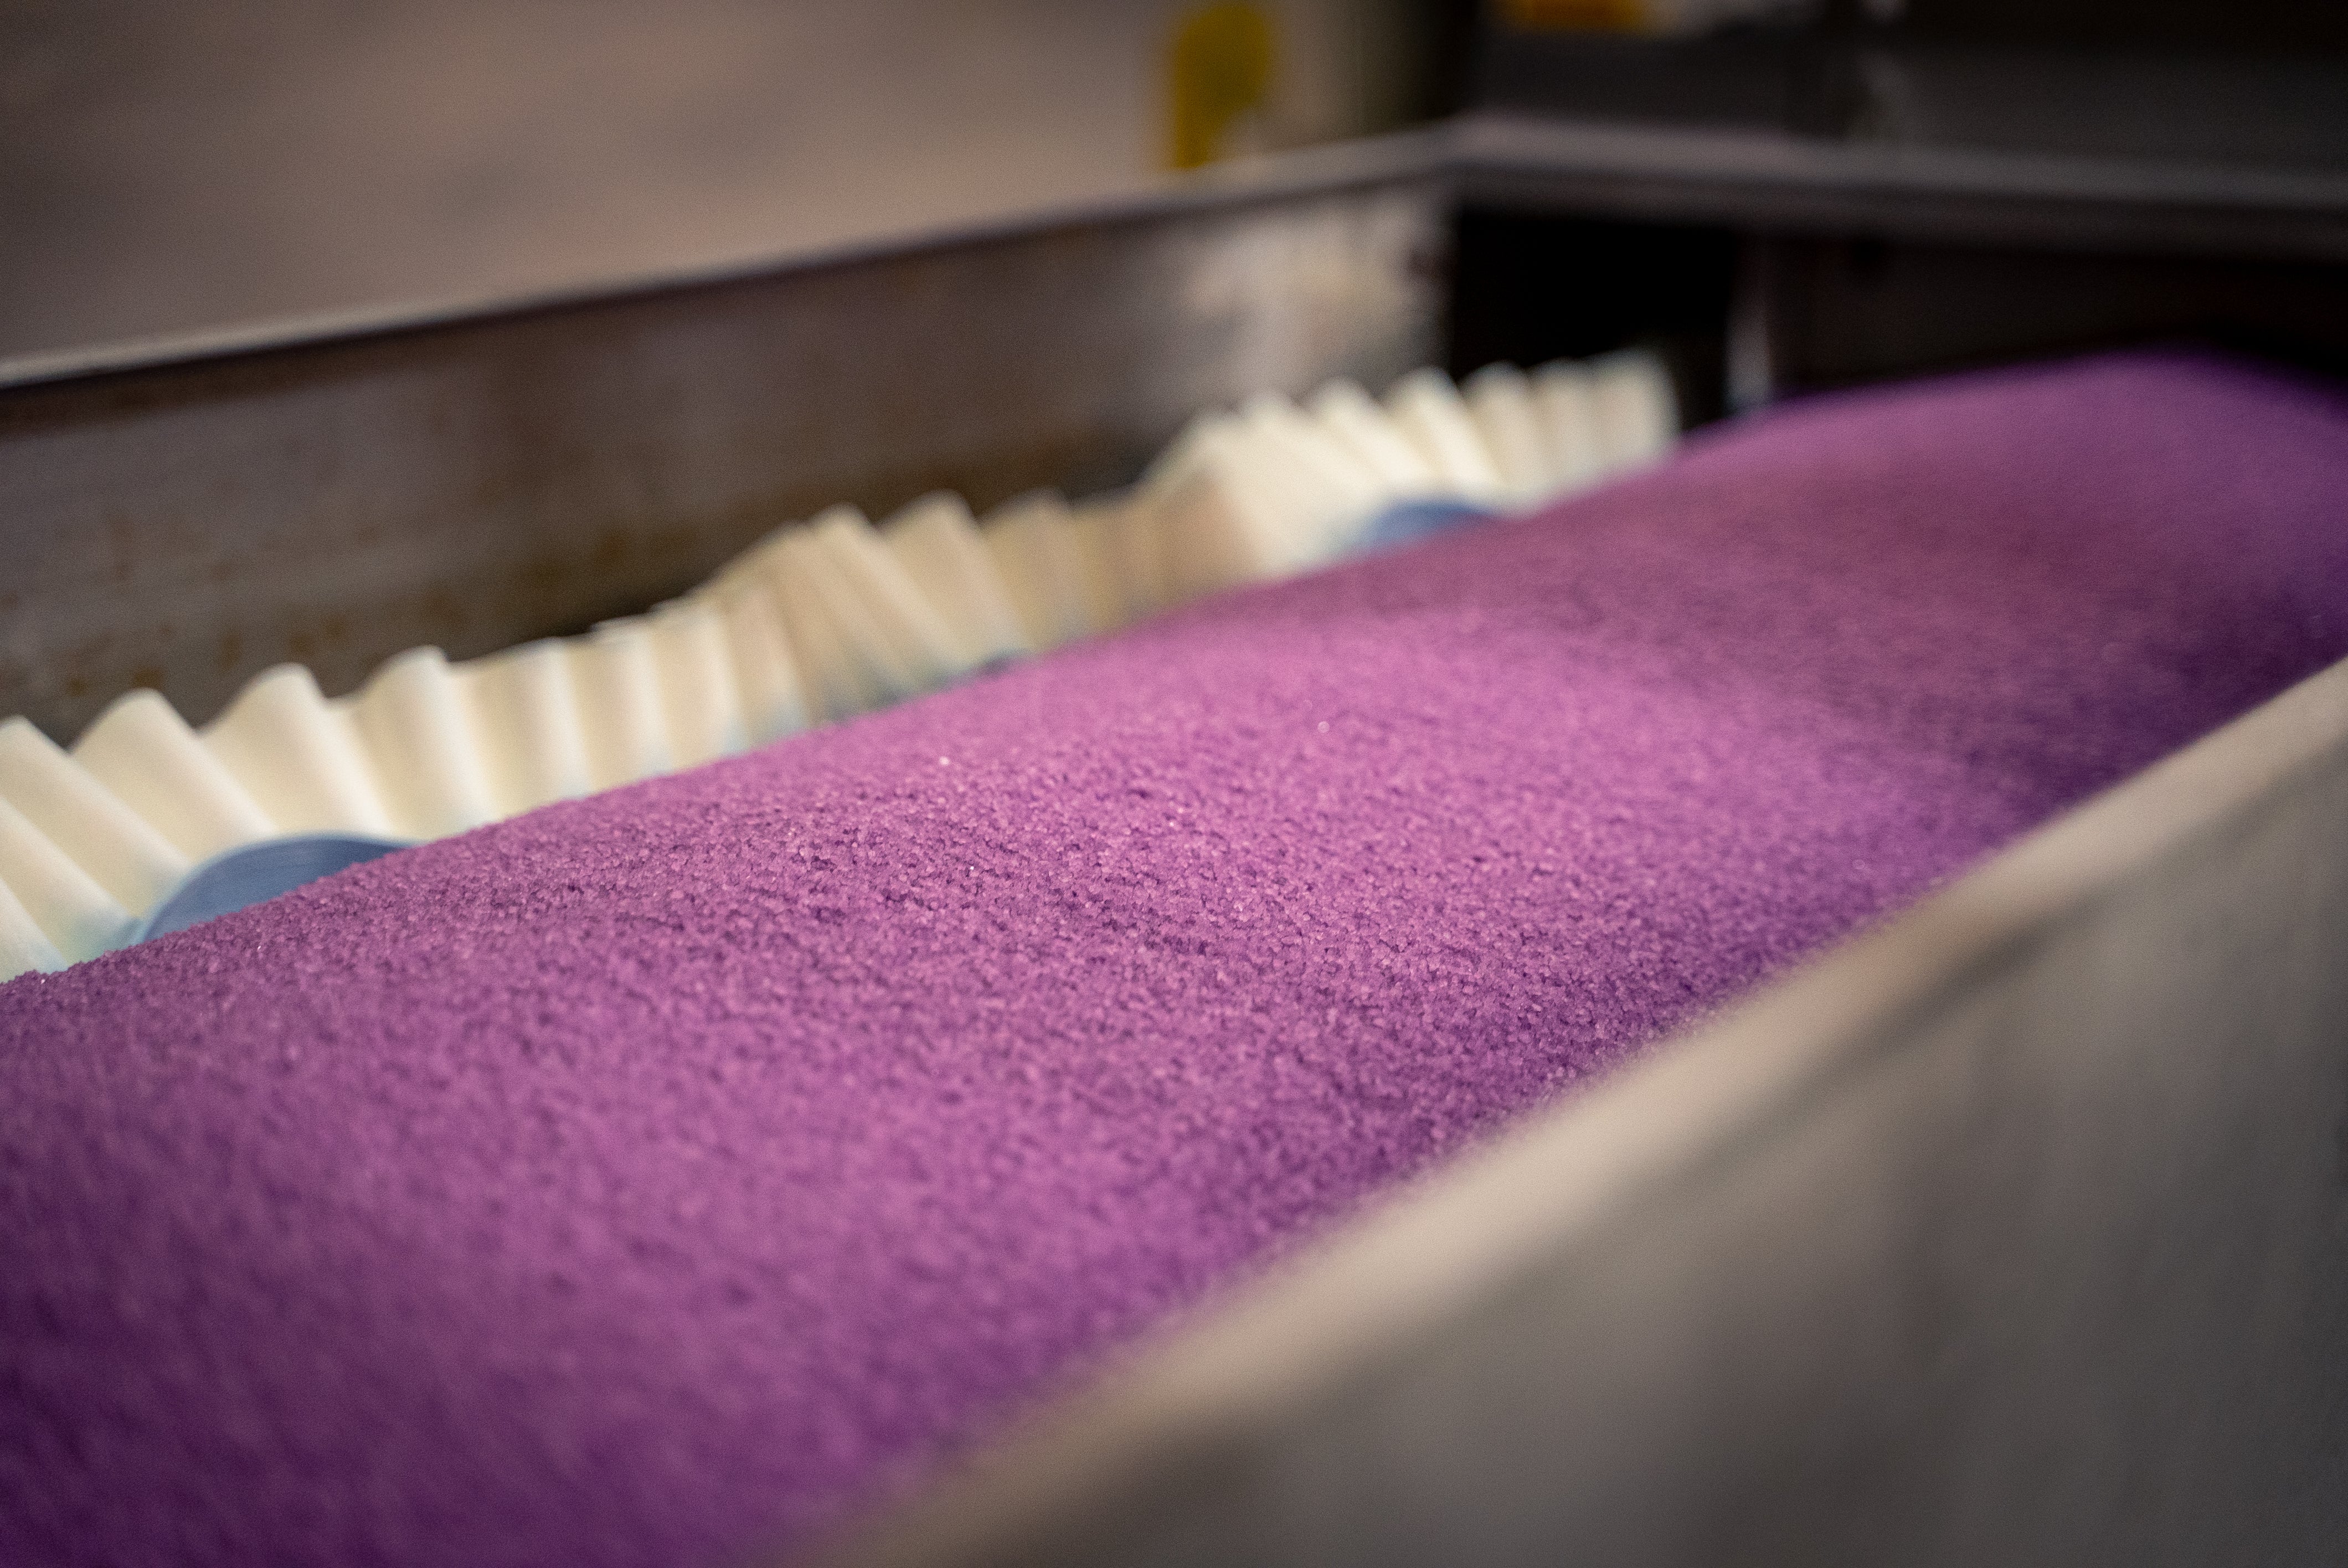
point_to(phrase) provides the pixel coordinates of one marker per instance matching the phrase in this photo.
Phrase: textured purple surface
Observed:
(665, 1172)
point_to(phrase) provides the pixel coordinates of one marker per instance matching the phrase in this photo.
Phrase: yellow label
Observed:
(1219, 69)
(1575, 15)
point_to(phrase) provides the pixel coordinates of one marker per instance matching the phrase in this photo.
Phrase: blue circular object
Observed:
(250, 873)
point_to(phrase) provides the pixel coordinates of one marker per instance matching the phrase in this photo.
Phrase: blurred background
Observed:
(166, 166)
(172, 168)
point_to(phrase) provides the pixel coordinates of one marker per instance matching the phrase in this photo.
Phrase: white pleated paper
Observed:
(76, 916)
(141, 750)
(1431, 416)
(525, 721)
(765, 676)
(1565, 403)
(842, 656)
(912, 643)
(1355, 420)
(697, 694)
(417, 724)
(119, 849)
(617, 688)
(22, 947)
(815, 622)
(1042, 567)
(1501, 401)
(1221, 523)
(936, 543)
(1105, 533)
(298, 758)
(1333, 491)
(1638, 416)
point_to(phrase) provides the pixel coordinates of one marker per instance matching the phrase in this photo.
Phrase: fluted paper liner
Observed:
(1040, 562)
(1429, 412)
(76, 916)
(417, 726)
(814, 622)
(22, 947)
(118, 848)
(142, 751)
(936, 543)
(299, 759)
(695, 676)
(617, 688)
(1501, 401)
(526, 724)
(765, 676)
(1354, 420)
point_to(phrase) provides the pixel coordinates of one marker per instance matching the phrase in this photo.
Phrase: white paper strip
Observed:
(142, 749)
(1331, 462)
(937, 543)
(617, 688)
(1565, 402)
(120, 850)
(76, 916)
(526, 724)
(765, 676)
(1369, 431)
(414, 716)
(23, 948)
(1220, 529)
(1427, 409)
(1500, 400)
(1104, 531)
(1129, 531)
(1042, 567)
(921, 652)
(1294, 509)
(698, 700)
(1317, 506)
(1190, 446)
(1638, 412)
(845, 663)
(753, 565)
(298, 757)
(1338, 491)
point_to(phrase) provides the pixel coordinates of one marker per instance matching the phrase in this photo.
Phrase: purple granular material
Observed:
(661, 1175)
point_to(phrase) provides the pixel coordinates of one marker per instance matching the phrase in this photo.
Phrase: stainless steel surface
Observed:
(338, 496)
(168, 165)
(1766, 180)
(1778, 181)
(183, 513)
(2016, 1233)
(1832, 310)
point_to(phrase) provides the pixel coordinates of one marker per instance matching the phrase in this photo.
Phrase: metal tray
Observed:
(2014, 1233)
(187, 516)
(2017, 1232)
(184, 515)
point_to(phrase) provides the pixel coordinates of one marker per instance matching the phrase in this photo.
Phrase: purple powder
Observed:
(669, 1173)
